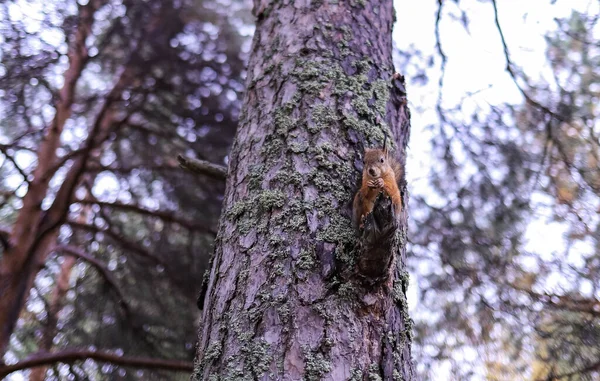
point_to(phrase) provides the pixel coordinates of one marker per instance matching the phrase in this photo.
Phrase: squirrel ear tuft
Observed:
(385, 150)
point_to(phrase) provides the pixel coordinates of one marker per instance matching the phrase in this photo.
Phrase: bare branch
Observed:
(96, 168)
(99, 132)
(513, 74)
(119, 239)
(203, 167)
(5, 237)
(78, 253)
(511, 71)
(4, 149)
(438, 46)
(163, 215)
(63, 159)
(73, 355)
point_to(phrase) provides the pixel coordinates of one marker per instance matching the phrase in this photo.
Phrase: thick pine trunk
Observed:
(289, 295)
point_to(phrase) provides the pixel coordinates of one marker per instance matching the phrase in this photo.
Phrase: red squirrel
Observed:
(381, 173)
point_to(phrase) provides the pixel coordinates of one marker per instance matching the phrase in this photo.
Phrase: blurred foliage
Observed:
(148, 223)
(498, 302)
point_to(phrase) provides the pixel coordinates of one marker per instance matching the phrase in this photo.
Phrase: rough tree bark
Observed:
(286, 297)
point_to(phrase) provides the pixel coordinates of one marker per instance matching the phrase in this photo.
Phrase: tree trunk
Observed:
(289, 295)
(18, 265)
(56, 302)
(61, 287)
(35, 231)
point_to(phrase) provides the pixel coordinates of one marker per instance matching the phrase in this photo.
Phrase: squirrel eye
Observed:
(381, 160)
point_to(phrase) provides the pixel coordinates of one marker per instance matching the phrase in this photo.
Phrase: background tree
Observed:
(286, 299)
(103, 240)
(503, 175)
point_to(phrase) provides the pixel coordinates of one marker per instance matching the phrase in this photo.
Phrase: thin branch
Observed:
(99, 132)
(438, 46)
(438, 43)
(163, 215)
(203, 167)
(73, 355)
(513, 74)
(97, 168)
(78, 253)
(530, 100)
(4, 149)
(63, 159)
(118, 239)
(5, 237)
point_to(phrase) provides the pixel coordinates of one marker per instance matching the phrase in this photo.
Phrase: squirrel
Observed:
(381, 173)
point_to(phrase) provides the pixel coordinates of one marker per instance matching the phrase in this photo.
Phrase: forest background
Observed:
(503, 174)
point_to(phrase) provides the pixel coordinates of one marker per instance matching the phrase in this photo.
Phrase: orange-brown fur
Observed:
(381, 173)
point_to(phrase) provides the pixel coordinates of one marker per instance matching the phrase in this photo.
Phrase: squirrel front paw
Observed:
(378, 184)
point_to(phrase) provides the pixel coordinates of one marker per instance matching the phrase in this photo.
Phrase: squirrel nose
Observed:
(371, 172)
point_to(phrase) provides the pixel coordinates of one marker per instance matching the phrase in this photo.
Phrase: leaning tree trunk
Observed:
(24, 256)
(294, 292)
